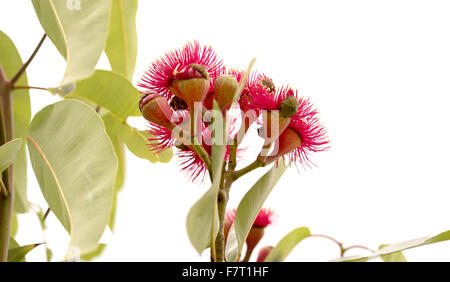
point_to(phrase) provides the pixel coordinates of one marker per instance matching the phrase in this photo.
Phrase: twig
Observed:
(24, 66)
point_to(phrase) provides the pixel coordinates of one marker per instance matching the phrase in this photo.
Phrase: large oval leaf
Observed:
(121, 43)
(11, 63)
(75, 165)
(287, 244)
(8, 153)
(110, 91)
(248, 209)
(78, 29)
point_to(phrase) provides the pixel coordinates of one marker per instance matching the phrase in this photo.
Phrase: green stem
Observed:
(199, 150)
(233, 152)
(29, 87)
(256, 164)
(24, 67)
(7, 134)
(222, 200)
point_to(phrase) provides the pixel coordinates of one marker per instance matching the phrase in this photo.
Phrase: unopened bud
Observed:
(191, 84)
(225, 87)
(288, 141)
(254, 236)
(155, 109)
(263, 253)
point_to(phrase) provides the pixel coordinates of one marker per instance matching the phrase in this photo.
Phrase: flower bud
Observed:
(263, 253)
(191, 84)
(288, 141)
(254, 236)
(155, 109)
(225, 87)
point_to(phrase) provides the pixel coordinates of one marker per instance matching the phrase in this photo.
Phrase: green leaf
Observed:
(287, 244)
(248, 210)
(17, 254)
(203, 219)
(78, 32)
(14, 224)
(8, 153)
(121, 43)
(11, 62)
(111, 129)
(110, 91)
(388, 250)
(92, 255)
(135, 140)
(393, 257)
(75, 165)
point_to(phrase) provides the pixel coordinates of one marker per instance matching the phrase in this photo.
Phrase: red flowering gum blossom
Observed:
(163, 71)
(155, 109)
(304, 134)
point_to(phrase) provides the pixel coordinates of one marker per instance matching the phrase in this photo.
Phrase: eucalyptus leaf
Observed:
(109, 91)
(393, 257)
(18, 254)
(135, 139)
(391, 249)
(11, 62)
(121, 43)
(287, 244)
(8, 153)
(75, 165)
(78, 29)
(203, 219)
(248, 210)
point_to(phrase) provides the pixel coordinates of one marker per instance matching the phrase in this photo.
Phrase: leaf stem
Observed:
(24, 66)
(342, 249)
(29, 87)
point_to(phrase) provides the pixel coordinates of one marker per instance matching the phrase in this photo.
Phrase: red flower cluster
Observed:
(177, 81)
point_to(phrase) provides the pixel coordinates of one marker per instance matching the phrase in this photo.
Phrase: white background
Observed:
(377, 70)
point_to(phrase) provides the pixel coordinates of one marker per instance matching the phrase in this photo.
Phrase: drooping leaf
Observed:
(11, 62)
(287, 244)
(110, 91)
(393, 257)
(248, 210)
(17, 254)
(387, 250)
(75, 165)
(121, 43)
(135, 140)
(8, 153)
(78, 31)
(203, 219)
